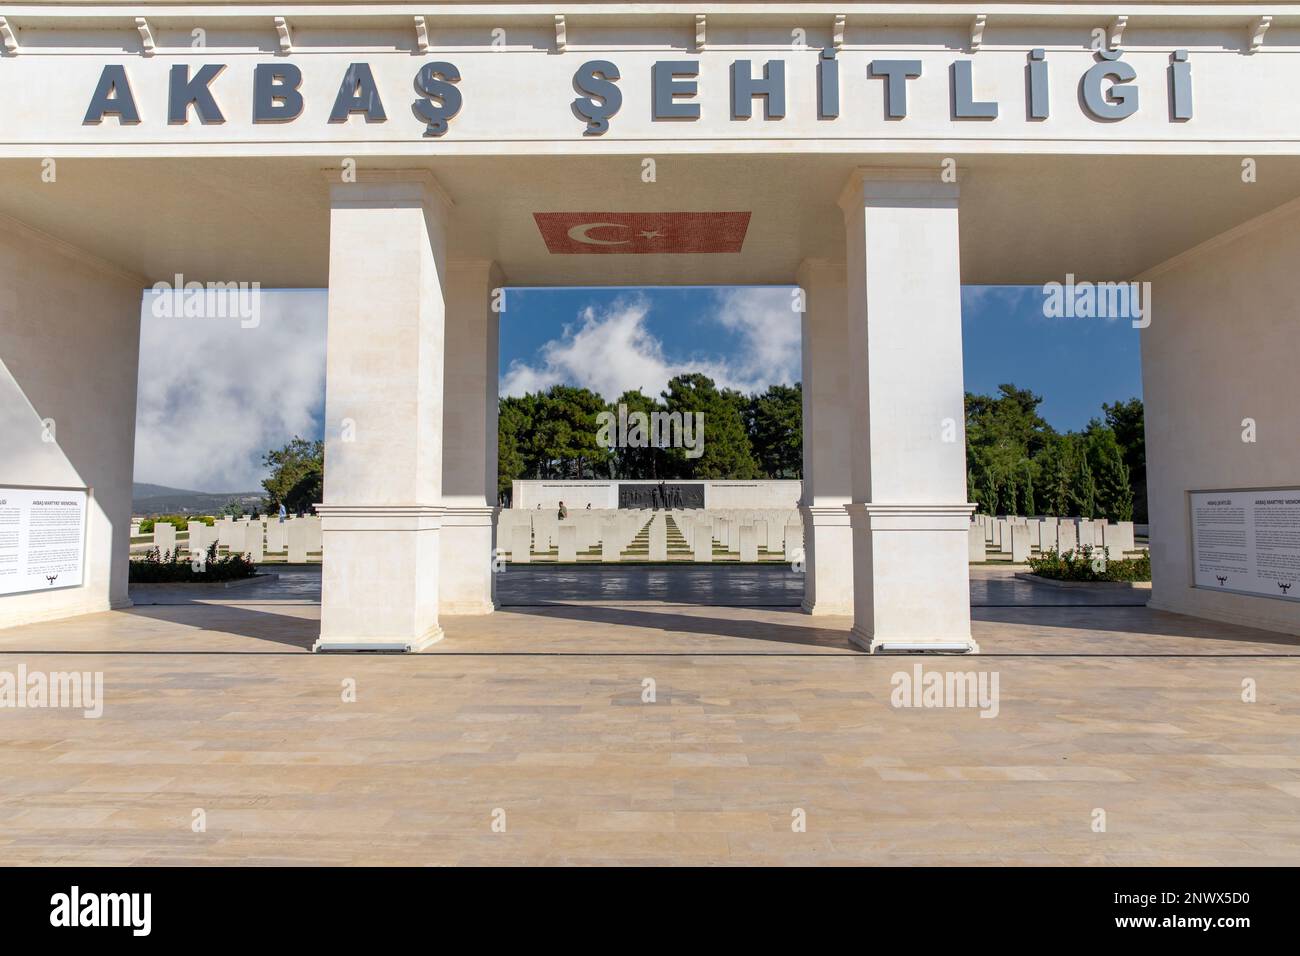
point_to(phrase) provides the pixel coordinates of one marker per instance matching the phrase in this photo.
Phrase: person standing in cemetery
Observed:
(283, 512)
(564, 512)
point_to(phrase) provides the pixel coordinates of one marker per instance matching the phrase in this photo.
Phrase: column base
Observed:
(379, 580)
(467, 582)
(828, 559)
(884, 645)
(911, 583)
(341, 646)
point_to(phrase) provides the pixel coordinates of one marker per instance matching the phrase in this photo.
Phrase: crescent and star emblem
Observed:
(582, 234)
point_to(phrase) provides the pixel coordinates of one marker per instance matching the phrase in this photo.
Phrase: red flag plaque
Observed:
(640, 233)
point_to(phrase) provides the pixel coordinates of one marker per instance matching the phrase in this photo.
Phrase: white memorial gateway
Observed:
(416, 159)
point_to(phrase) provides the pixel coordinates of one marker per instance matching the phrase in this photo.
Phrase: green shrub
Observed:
(179, 522)
(155, 568)
(1090, 564)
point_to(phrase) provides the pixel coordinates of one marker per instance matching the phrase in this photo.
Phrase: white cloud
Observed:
(771, 332)
(214, 397)
(611, 350)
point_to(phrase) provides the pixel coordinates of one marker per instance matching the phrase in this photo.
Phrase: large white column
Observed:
(469, 446)
(909, 512)
(827, 436)
(383, 413)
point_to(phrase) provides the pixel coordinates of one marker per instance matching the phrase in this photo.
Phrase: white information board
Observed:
(1247, 541)
(42, 539)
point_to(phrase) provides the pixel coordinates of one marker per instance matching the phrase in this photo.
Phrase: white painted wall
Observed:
(69, 346)
(1222, 347)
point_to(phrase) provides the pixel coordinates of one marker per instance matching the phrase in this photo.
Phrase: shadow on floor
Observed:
(661, 619)
(713, 585)
(1131, 620)
(260, 622)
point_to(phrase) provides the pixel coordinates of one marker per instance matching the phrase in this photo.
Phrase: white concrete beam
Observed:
(383, 413)
(827, 446)
(469, 472)
(910, 517)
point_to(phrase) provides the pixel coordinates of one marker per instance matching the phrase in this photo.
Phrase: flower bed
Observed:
(1090, 564)
(168, 568)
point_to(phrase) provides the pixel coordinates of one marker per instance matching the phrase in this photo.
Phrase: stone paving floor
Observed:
(537, 716)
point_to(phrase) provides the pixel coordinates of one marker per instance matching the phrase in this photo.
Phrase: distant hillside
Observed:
(147, 499)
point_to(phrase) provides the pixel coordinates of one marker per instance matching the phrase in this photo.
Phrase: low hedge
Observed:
(1090, 564)
(168, 568)
(179, 522)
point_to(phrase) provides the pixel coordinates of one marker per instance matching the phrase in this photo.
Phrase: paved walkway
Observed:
(536, 716)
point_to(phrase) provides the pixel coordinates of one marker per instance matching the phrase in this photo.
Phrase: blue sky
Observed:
(215, 396)
(1074, 364)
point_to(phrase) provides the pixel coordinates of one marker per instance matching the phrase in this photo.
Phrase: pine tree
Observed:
(1084, 492)
(1027, 490)
(1106, 459)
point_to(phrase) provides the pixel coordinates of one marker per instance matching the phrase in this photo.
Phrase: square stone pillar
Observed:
(827, 431)
(469, 440)
(383, 413)
(909, 514)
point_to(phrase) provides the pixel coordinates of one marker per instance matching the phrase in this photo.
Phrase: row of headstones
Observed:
(1019, 536)
(255, 537)
(612, 531)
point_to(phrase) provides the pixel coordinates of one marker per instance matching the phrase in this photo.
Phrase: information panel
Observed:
(42, 539)
(1247, 541)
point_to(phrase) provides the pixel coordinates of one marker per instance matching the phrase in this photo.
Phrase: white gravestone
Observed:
(568, 542)
(164, 536)
(253, 546)
(521, 540)
(1066, 538)
(610, 541)
(1019, 544)
(298, 541)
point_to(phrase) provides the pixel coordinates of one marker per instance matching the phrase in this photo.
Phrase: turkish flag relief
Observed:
(638, 233)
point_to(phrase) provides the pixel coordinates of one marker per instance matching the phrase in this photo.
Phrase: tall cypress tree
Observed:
(1106, 459)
